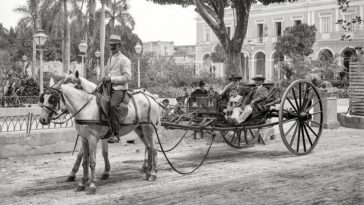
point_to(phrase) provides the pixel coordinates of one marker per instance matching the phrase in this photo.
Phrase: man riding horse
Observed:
(118, 72)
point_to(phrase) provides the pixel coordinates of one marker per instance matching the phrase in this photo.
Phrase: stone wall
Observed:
(37, 142)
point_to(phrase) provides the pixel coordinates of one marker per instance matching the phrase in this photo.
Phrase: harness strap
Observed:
(149, 107)
(136, 109)
(91, 122)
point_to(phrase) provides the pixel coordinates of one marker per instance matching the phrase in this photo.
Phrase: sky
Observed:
(153, 22)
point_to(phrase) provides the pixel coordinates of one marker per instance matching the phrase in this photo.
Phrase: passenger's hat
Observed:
(201, 83)
(115, 39)
(234, 77)
(259, 77)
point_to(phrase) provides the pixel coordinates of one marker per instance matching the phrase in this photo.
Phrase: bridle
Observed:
(54, 101)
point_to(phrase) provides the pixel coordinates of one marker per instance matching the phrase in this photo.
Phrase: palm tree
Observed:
(118, 13)
(30, 18)
(55, 13)
(102, 35)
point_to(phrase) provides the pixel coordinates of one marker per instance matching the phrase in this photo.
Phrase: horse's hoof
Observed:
(152, 178)
(147, 176)
(91, 191)
(70, 178)
(104, 176)
(80, 188)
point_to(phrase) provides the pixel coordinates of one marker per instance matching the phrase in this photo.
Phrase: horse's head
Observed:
(51, 102)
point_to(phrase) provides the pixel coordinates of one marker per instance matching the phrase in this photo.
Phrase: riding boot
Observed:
(118, 115)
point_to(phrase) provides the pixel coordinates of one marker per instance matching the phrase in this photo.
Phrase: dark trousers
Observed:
(117, 112)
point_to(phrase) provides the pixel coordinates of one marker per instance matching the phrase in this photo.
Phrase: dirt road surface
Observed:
(332, 174)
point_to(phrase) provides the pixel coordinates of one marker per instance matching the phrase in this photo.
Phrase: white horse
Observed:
(83, 106)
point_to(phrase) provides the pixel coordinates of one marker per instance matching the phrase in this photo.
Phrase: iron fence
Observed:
(18, 101)
(31, 122)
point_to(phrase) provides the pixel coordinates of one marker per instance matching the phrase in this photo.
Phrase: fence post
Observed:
(29, 123)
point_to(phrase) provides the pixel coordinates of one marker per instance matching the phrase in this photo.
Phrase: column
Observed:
(362, 16)
(336, 18)
(269, 70)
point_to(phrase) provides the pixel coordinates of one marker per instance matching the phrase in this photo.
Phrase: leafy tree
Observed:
(297, 41)
(296, 44)
(212, 11)
(346, 23)
(30, 17)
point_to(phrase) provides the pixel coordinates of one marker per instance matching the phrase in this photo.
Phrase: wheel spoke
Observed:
(299, 136)
(308, 109)
(293, 136)
(299, 96)
(315, 113)
(232, 139)
(308, 136)
(309, 127)
(303, 138)
(292, 105)
(316, 123)
(290, 128)
(307, 97)
(295, 99)
(239, 137)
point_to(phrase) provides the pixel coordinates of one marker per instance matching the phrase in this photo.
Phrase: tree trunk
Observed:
(66, 39)
(233, 63)
(34, 59)
(102, 41)
(214, 17)
(91, 35)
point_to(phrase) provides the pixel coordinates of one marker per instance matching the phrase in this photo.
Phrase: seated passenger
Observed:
(250, 102)
(233, 106)
(200, 90)
(234, 82)
(179, 108)
(165, 113)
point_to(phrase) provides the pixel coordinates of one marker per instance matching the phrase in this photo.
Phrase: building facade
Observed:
(266, 23)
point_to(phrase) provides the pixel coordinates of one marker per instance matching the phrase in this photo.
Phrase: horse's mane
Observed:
(87, 85)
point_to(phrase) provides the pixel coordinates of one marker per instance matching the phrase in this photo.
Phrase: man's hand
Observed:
(106, 79)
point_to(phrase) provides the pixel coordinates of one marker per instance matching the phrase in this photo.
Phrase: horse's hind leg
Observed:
(76, 165)
(81, 186)
(145, 168)
(149, 134)
(92, 142)
(105, 154)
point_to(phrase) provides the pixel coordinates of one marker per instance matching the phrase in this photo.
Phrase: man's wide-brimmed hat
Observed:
(115, 39)
(259, 77)
(234, 77)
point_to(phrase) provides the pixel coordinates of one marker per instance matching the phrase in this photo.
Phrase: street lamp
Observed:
(250, 50)
(138, 50)
(40, 39)
(97, 54)
(24, 58)
(83, 48)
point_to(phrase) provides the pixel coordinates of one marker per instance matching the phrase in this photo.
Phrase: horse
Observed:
(143, 117)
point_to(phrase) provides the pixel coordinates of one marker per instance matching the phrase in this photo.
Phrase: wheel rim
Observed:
(234, 140)
(301, 105)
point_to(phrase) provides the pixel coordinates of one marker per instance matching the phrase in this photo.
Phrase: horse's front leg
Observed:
(85, 164)
(105, 154)
(92, 142)
(76, 166)
(152, 151)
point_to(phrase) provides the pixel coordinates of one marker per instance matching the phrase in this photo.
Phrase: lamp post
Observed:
(24, 58)
(82, 47)
(138, 50)
(97, 54)
(250, 50)
(40, 39)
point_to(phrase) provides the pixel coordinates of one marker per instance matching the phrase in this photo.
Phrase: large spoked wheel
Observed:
(240, 139)
(234, 139)
(300, 117)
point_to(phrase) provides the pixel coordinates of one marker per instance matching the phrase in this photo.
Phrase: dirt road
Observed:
(332, 174)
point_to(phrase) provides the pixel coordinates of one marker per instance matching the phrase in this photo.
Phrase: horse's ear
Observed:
(77, 74)
(51, 82)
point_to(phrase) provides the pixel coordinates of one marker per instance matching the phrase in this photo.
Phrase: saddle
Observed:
(103, 98)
